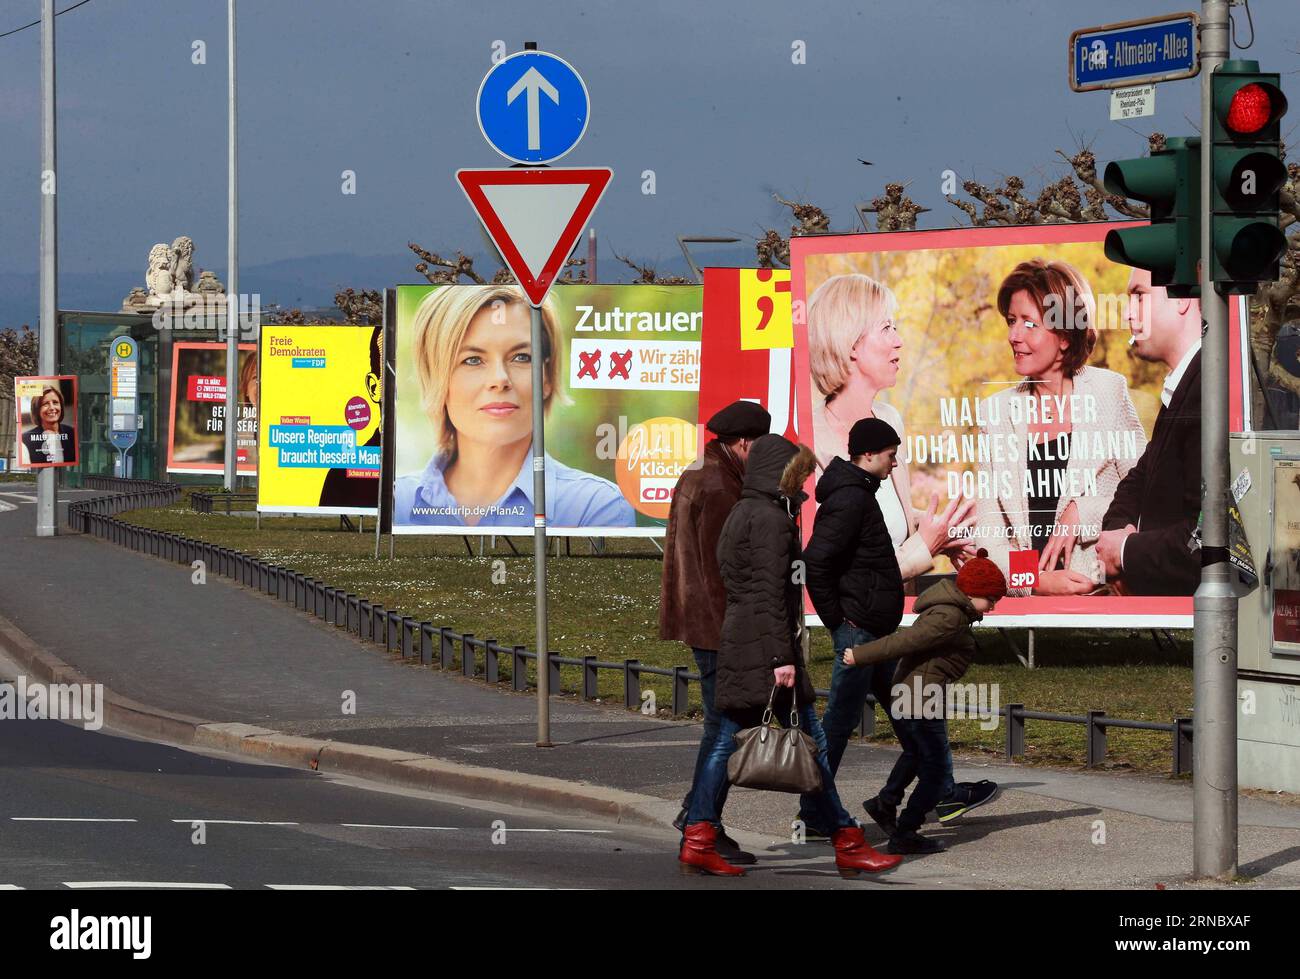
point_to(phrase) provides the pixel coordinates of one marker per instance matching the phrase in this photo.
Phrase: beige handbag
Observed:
(774, 759)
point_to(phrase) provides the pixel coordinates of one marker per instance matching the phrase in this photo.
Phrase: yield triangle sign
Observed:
(535, 216)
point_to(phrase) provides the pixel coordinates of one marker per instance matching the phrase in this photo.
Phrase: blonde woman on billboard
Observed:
(1039, 496)
(854, 354)
(473, 356)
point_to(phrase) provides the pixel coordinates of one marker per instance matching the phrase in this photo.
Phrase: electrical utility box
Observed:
(1265, 478)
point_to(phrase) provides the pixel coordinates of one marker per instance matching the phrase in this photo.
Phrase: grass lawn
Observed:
(608, 607)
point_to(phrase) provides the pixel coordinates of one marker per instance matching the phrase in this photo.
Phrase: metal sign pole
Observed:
(47, 499)
(1214, 660)
(539, 533)
(532, 139)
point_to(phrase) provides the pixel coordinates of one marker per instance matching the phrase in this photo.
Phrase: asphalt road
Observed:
(80, 807)
(93, 809)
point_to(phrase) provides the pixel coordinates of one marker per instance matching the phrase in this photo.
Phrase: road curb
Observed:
(403, 768)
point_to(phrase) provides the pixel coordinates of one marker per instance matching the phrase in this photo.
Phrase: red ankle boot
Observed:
(698, 855)
(853, 854)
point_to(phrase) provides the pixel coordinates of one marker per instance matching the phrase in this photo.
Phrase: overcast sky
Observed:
(704, 94)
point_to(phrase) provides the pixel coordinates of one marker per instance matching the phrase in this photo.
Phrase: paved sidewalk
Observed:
(226, 654)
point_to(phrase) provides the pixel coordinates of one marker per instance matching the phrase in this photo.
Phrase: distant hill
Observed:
(308, 282)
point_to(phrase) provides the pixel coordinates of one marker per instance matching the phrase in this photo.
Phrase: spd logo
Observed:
(1024, 569)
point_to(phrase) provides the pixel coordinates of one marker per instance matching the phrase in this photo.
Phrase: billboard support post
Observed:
(1214, 655)
(539, 530)
(47, 502)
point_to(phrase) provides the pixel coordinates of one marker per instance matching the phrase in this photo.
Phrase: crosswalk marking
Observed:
(337, 887)
(594, 832)
(67, 819)
(262, 822)
(232, 822)
(149, 884)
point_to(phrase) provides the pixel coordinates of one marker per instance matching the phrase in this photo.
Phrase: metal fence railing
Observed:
(125, 494)
(432, 644)
(214, 502)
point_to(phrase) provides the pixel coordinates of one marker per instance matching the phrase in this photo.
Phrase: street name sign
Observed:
(1157, 49)
(535, 216)
(533, 107)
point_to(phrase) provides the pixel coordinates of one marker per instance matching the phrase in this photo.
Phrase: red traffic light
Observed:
(1251, 109)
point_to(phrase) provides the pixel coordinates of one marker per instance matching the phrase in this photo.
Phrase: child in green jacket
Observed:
(935, 651)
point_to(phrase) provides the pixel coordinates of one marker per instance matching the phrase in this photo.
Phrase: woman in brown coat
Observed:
(759, 555)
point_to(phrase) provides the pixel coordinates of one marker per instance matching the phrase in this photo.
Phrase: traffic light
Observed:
(1169, 183)
(1247, 175)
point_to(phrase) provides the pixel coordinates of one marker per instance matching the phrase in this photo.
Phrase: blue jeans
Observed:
(849, 688)
(706, 661)
(711, 786)
(926, 757)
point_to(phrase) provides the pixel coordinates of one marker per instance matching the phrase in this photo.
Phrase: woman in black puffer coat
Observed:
(759, 555)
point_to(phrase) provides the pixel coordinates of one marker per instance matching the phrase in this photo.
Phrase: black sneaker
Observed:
(730, 850)
(965, 797)
(886, 817)
(913, 842)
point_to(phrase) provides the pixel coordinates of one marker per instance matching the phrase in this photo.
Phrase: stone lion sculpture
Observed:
(183, 263)
(159, 279)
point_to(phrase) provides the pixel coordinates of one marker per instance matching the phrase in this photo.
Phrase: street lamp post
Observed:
(1214, 653)
(47, 501)
(232, 270)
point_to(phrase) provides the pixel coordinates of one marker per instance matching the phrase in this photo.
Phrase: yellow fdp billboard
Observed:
(319, 438)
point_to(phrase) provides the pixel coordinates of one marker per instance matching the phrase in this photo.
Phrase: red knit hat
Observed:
(981, 578)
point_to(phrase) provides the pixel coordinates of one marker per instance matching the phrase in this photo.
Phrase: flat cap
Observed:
(740, 420)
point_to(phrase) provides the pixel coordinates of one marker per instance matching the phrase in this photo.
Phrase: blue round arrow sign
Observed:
(533, 107)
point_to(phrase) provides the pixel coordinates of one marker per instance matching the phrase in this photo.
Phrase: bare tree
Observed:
(647, 275)
(772, 250)
(18, 349)
(895, 211)
(1274, 302)
(275, 315)
(452, 270)
(364, 308)
(1277, 302)
(1075, 197)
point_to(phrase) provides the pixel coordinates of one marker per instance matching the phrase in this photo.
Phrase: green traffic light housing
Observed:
(1168, 182)
(1247, 175)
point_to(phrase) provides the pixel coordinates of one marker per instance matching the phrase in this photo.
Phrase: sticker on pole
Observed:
(533, 107)
(535, 217)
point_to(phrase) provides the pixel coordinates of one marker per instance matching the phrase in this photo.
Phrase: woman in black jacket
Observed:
(759, 555)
